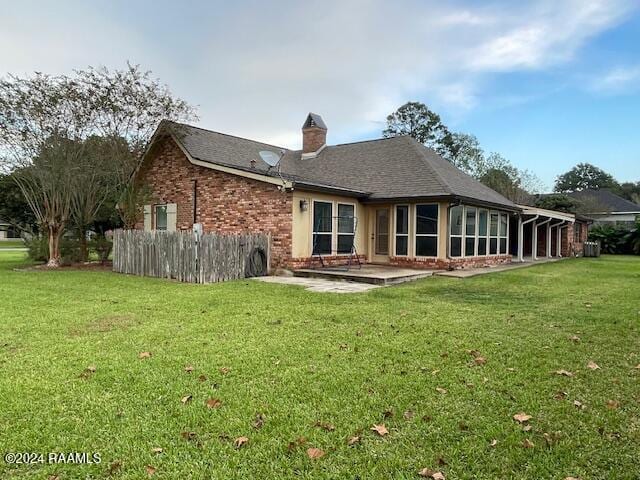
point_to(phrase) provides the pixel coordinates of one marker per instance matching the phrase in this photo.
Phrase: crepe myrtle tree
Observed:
(74, 140)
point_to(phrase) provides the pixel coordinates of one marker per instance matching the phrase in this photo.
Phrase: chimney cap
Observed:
(314, 120)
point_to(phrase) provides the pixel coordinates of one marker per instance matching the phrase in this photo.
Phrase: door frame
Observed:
(375, 257)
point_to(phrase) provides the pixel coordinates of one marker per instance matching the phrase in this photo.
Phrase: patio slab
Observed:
(320, 285)
(472, 272)
(372, 274)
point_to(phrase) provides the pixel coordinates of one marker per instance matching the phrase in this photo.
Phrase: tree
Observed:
(416, 120)
(584, 176)
(630, 191)
(45, 126)
(516, 185)
(14, 209)
(466, 154)
(557, 201)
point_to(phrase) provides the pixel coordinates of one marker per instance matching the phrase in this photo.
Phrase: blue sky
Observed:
(547, 83)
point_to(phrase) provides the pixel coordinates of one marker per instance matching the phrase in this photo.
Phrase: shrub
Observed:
(102, 246)
(633, 238)
(38, 248)
(70, 250)
(614, 239)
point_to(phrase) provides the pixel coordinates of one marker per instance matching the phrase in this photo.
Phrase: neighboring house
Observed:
(4, 229)
(605, 207)
(391, 201)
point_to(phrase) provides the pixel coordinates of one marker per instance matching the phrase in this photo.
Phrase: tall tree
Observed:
(584, 176)
(416, 120)
(43, 117)
(466, 153)
(503, 177)
(557, 201)
(14, 209)
(630, 191)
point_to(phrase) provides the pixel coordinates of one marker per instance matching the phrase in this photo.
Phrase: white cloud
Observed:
(619, 80)
(256, 68)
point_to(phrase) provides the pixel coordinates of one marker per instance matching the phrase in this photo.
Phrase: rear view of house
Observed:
(389, 201)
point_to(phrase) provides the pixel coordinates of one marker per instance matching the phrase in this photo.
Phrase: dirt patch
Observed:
(92, 266)
(107, 323)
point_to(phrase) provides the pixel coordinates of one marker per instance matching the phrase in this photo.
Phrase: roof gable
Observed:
(605, 200)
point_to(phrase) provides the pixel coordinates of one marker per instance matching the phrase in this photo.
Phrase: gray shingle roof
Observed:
(388, 168)
(605, 200)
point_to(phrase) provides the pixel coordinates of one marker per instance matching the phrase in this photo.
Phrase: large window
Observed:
(161, 217)
(402, 230)
(426, 230)
(322, 228)
(346, 227)
(477, 232)
(455, 237)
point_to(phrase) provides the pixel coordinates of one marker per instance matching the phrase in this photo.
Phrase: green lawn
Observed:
(11, 244)
(306, 360)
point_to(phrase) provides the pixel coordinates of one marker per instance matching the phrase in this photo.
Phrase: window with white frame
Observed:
(426, 242)
(483, 223)
(322, 227)
(493, 233)
(504, 232)
(470, 231)
(402, 230)
(346, 227)
(161, 217)
(456, 231)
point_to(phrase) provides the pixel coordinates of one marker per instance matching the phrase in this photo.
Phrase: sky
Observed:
(546, 83)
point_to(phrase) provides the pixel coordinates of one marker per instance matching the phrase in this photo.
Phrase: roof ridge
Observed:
(227, 135)
(421, 151)
(368, 141)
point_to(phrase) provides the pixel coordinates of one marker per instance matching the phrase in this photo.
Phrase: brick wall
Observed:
(225, 203)
(440, 263)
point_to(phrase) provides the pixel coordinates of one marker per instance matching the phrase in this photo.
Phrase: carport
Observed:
(540, 233)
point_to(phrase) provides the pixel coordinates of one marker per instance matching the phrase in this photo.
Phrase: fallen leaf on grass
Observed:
(613, 404)
(550, 438)
(560, 395)
(479, 360)
(144, 355)
(526, 443)
(637, 367)
(441, 390)
(190, 436)
(156, 450)
(493, 443)
(53, 477)
(259, 421)
(353, 440)
(189, 369)
(329, 427)
(522, 417)
(593, 365)
(114, 467)
(578, 404)
(564, 373)
(240, 441)
(527, 428)
(588, 305)
(571, 478)
(225, 370)
(428, 473)
(186, 399)
(380, 429)
(202, 378)
(150, 470)
(314, 453)
(214, 403)
(408, 414)
(297, 443)
(574, 338)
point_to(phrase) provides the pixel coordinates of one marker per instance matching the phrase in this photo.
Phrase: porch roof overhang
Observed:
(550, 214)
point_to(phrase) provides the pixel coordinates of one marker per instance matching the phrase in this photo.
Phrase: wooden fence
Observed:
(188, 257)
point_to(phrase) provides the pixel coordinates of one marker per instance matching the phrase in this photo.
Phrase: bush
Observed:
(38, 248)
(102, 246)
(70, 250)
(616, 239)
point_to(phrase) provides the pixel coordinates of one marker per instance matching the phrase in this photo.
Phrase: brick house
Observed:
(390, 201)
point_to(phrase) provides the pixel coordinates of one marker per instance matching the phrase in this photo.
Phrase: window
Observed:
(427, 230)
(493, 233)
(346, 227)
(455, 237)
(483, 216)
(577, 234)
(402, 230)
(322, 228)
(504, 231)
(470, 232)
(161, 217)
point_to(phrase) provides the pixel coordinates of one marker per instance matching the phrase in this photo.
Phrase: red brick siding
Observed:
(439, 263)
(226, 203)
(312, 139)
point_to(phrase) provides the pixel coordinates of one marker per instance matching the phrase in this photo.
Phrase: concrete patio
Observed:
(367, 273)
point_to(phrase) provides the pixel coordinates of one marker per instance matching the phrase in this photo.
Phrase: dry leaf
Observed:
(314, 453)
(353, 440)
(325, 426)
(156, 450)
(91, 368)
(522, 417)
(588, 305)
(186, 399)
(574, 338)
(473, 353)
(388, 413)
(637, 367)
(593, 365)
(560, 395)
(480, 360)
(225, 370)
(613, 404)
(259, 421)
(511, 369)
(527, 428)
(53, 477)
(214, 403)
(240, 441)
(202, 378)
(150, 470)
(428, 473)
(571, 478)
(188, 435)
(144, 355)
(189, 369)
(408, 415)
(115, 466)
(526, 443)
(579, 404)
(441, 390)
(564, 373)
(298, 442)
(493, 443)
(380, 429)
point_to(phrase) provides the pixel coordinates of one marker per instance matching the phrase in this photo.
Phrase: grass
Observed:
(299, 358)
(11, 244)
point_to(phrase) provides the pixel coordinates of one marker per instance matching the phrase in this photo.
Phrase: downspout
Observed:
(195, 200)
(521, 237)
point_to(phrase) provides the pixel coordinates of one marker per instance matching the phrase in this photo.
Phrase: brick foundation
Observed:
(225, 203)
(457, 263)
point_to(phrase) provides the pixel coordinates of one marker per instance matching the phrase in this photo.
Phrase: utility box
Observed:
(591, 249)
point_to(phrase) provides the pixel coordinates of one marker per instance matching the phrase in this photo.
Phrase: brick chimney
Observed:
(314, 133)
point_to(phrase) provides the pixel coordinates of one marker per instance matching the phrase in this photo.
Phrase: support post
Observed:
(534, 241)
(520, 239)
(548, 252)
(559, 243)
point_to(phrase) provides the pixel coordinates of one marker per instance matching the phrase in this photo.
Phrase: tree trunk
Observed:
(84, 250)
(54, 247)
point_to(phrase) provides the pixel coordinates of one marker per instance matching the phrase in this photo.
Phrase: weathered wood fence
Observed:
(188, 257)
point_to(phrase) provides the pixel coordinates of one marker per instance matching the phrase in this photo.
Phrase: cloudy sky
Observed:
(547, 83)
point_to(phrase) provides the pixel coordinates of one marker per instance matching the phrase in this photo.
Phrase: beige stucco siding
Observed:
(301, 245)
